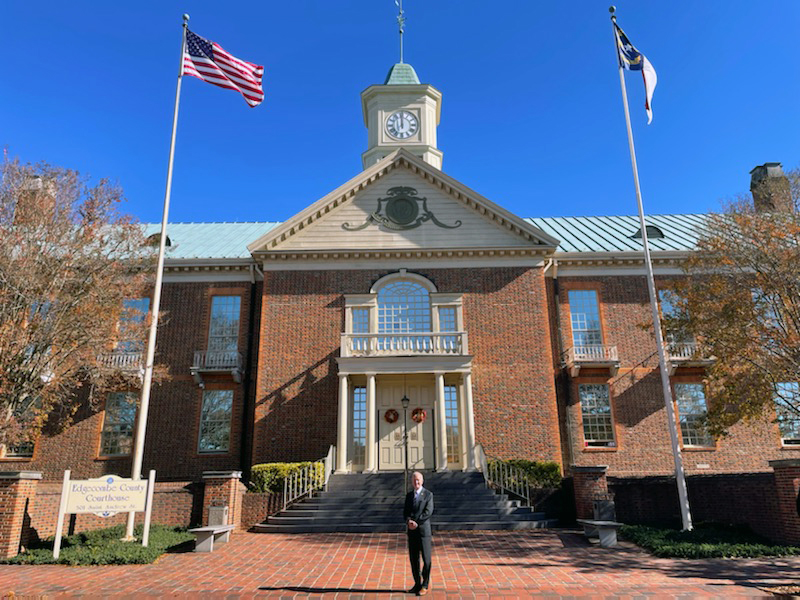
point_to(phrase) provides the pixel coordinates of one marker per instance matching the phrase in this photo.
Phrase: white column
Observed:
(470, 425)
(441, 428)
(372, 447)
(341, 438)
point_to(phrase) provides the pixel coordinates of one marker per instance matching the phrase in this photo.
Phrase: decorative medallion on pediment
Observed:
(401, 210)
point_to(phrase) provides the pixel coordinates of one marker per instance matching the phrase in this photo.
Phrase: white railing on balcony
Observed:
(217, 361)
(124, 361)
(404, 344)
(681, 350)
(593, 354)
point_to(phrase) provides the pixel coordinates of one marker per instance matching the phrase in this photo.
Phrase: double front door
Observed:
(421, 395)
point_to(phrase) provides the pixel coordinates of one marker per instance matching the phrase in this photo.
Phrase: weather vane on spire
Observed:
(401, 21)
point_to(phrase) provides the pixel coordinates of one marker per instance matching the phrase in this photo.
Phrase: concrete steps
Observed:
(373, 503)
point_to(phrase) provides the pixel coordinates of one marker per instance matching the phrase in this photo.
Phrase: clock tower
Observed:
(401, 113)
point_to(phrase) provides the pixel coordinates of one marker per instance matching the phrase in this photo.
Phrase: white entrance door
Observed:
(420, 435)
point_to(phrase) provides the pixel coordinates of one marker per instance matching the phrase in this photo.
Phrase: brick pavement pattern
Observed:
(521, 564)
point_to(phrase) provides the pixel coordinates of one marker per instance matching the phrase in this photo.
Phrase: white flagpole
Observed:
(680, 477)
(144, 405)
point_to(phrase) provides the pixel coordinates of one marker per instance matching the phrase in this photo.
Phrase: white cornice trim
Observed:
(404, 364)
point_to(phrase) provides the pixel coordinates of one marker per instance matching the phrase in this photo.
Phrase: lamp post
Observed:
(405, 401)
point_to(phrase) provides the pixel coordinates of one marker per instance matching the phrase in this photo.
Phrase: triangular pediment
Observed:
(402, 203)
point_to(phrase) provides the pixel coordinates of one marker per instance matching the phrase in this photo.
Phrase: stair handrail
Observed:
(329, 459)
(504, 477)
(483, 465)
(304, 482)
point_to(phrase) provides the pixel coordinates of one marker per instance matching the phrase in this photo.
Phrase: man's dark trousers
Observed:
(420, 539)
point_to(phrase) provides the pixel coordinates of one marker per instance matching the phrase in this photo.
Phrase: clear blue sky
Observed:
(531, 115)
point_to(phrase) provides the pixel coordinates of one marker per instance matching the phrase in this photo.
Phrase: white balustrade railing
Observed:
(504, 477)
(681, 350)
(404, 344)
(592, 353)
(307, 480)
(120, 360)
(217, 361)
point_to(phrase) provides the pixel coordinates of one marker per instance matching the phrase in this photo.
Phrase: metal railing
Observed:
(217, 361)
(382, 344)
(124, 361)
(592, 353)
(500, 475)
(307, 480)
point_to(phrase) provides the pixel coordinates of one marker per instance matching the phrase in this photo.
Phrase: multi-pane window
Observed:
(452, 430)
(134, 313)
(215, 421)
(787, 407)
(360, 325)
(691, 402)
(585, 315)
(448, 322)
(117, 436)
(359, 424)
(598, 426)
(18, 450)
(404, 307)
(223, 332)
(669, 313)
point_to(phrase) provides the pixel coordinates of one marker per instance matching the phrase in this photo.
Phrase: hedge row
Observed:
(269, 477)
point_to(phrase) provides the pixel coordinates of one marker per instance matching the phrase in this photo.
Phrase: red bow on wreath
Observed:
(391, 416)
(419, 415)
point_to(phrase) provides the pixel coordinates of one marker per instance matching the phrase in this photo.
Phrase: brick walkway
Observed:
(518, 564)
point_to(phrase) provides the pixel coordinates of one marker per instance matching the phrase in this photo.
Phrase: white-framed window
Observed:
(215, 421)
(598, 425)
(690, 400)
(18, 450)
(787, 405)
(452, 429)
(223, 330)
(116, 438)
(448, 321)
(359, 424)
(404, 307)
(584, 311)
(669, 312)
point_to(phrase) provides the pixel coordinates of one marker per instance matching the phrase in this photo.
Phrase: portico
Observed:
(440, 417)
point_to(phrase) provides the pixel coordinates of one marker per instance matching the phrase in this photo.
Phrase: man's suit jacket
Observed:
(421, 512)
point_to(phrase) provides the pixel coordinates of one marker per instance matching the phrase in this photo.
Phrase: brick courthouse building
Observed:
(523, 335)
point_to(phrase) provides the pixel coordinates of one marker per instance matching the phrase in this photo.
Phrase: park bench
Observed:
(605, 530)
(206, 536)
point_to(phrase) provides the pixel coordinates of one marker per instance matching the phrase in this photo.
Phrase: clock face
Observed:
(402, 125)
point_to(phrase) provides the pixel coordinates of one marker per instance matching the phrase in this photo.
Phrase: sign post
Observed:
(105, 497)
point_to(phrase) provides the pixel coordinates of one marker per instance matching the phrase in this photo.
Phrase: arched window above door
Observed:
(403, 313)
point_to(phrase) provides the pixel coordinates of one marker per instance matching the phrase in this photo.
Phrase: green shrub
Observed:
(269, 477)
(104, 547)
(707, 540)
(538, 473)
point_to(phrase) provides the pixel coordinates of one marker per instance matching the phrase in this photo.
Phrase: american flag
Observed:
(208, 61)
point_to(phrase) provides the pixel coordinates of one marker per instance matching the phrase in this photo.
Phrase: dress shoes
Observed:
(415, 590)
(422, 592)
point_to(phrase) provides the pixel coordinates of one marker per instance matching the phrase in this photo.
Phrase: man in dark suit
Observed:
(417, 513)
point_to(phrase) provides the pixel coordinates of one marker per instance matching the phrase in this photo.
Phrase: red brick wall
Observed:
(505, 315)
(256, 507)
(174, 503)
(787, 486)
(224, 491)
(642, 437)
(589, 484)
(17, 498)
(175, 404)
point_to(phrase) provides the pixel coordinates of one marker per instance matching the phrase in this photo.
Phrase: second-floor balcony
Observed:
(220, 363)
(686, 354)
(121, 361)
(404, 344)
(594, 356)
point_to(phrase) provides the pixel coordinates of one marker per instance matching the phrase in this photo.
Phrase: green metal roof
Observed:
(402, 74)
(576, 234)
(209, 240)
(616, 234)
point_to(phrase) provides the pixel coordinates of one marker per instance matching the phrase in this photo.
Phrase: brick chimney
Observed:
(770, 188)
